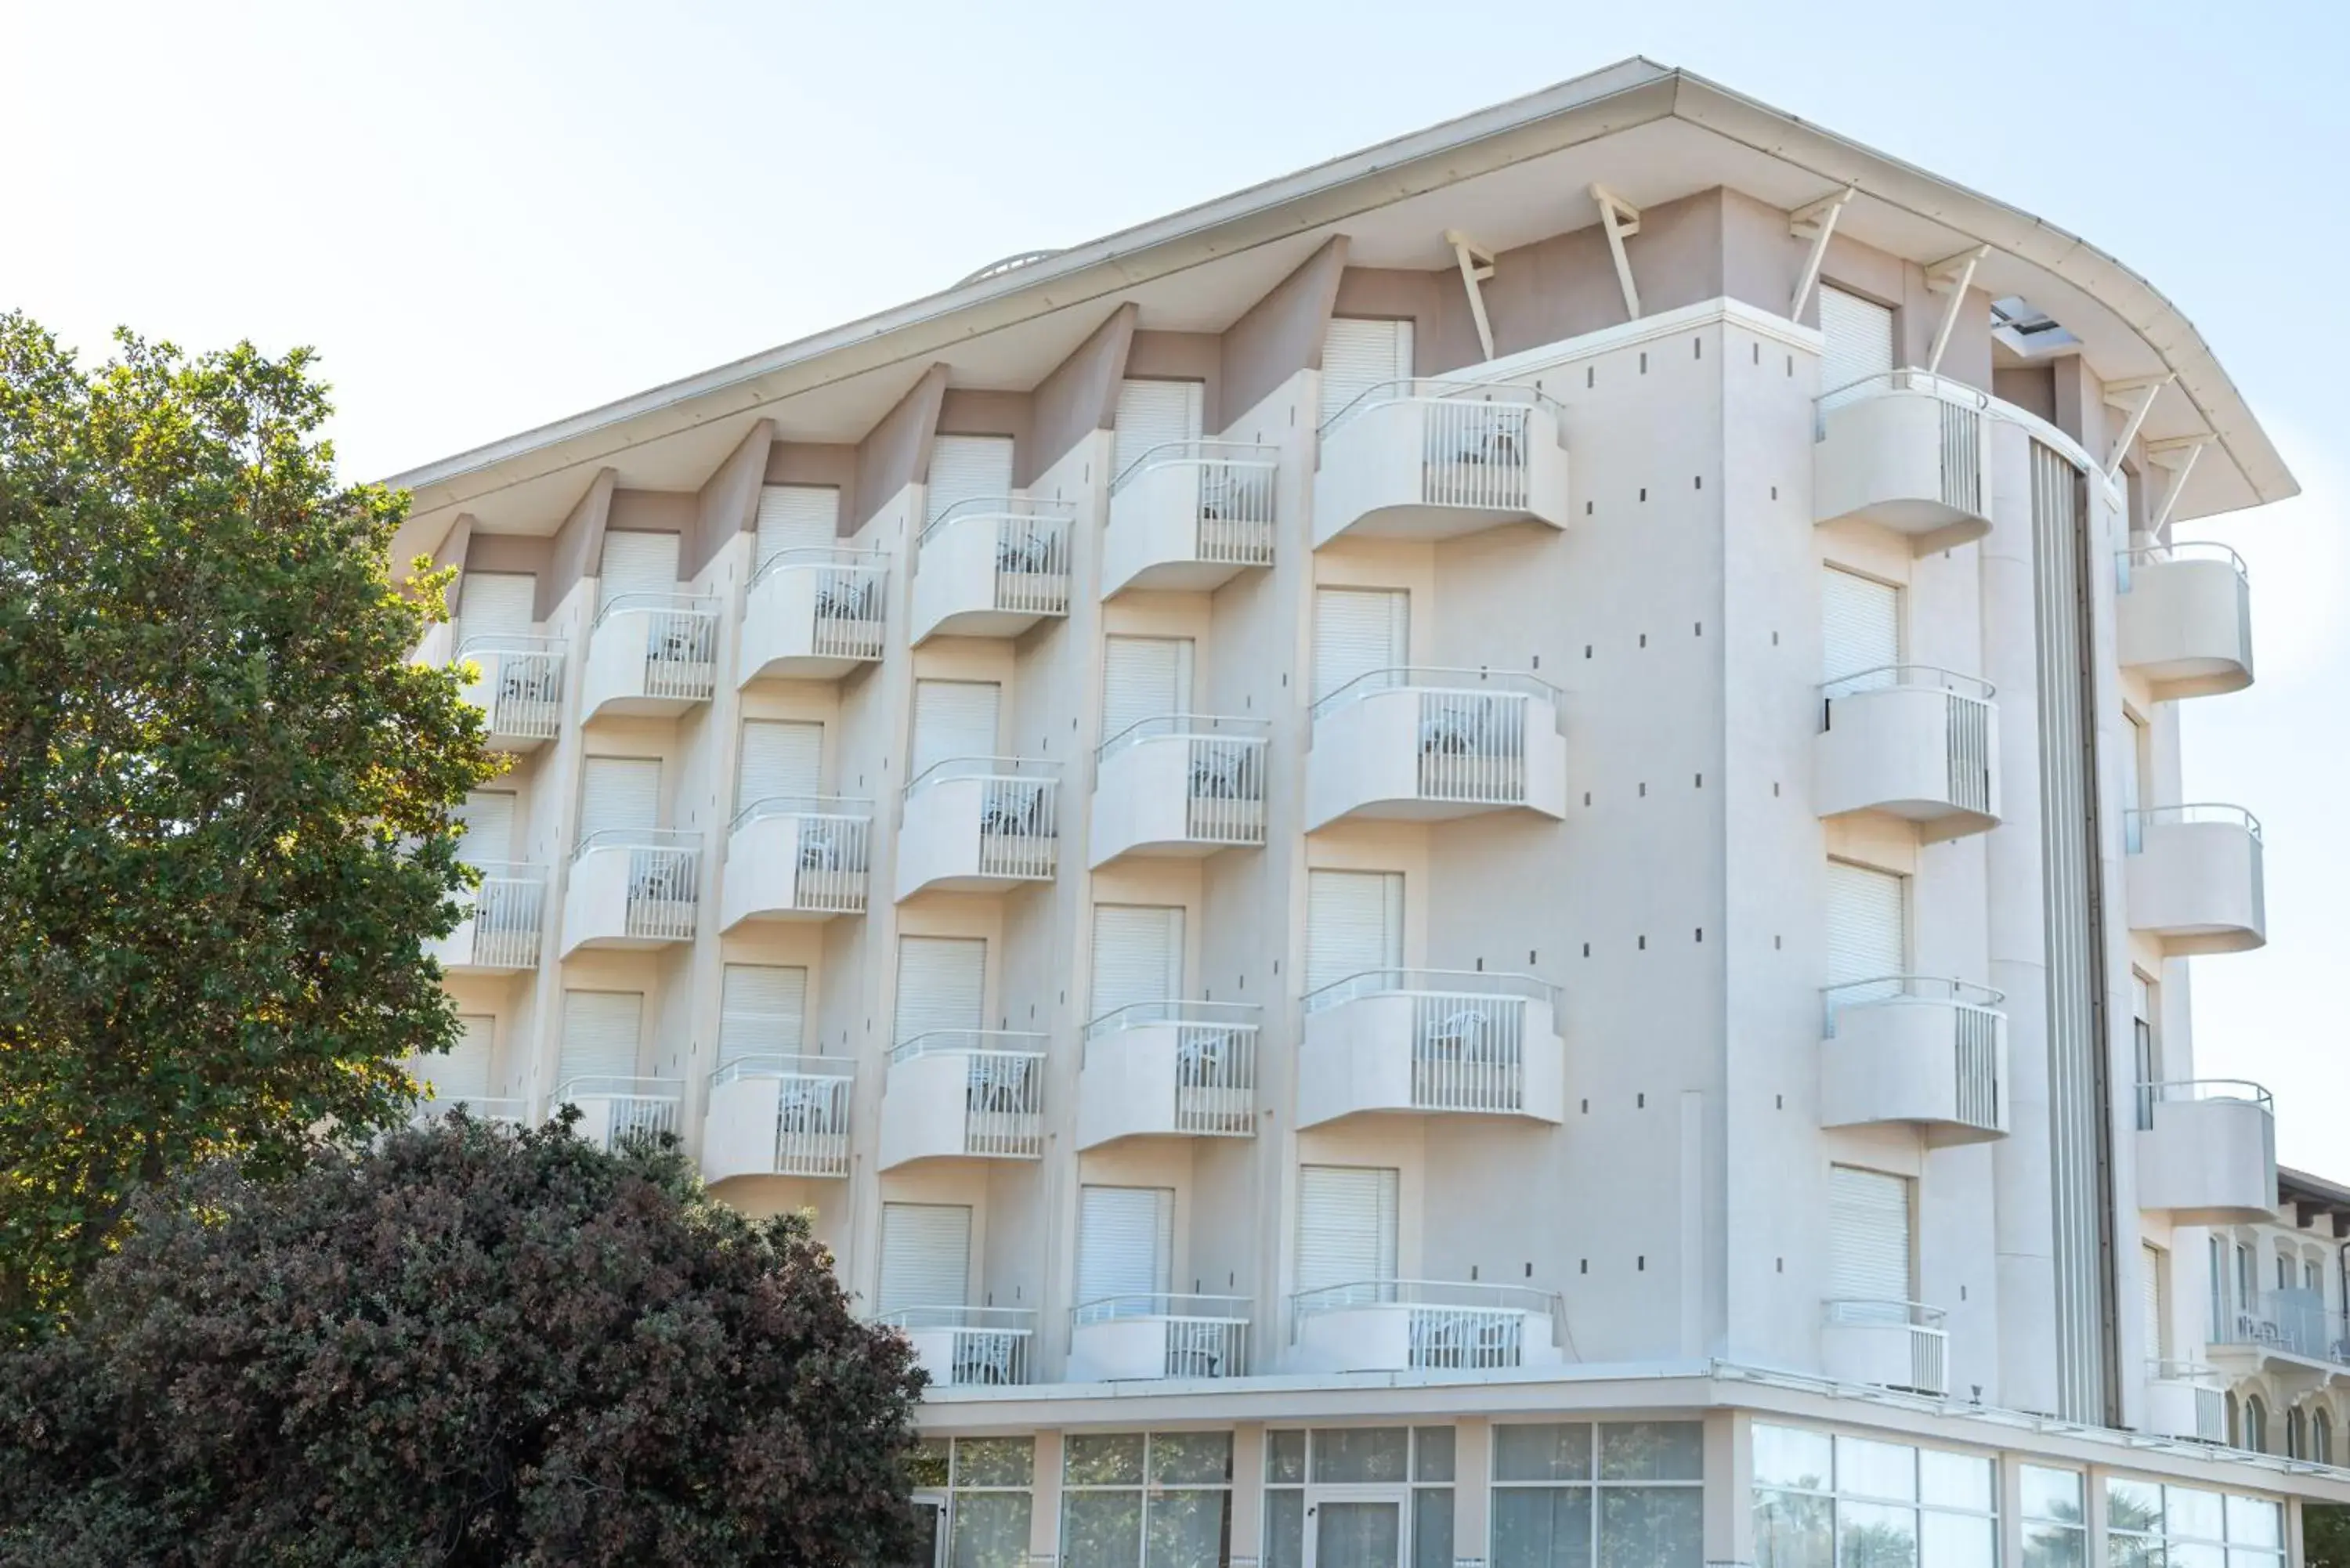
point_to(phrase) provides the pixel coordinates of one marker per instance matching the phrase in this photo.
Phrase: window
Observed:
(2134, 775)
(2147, 1523)
(2142, 1015)
(966, 468)
(1138, 956)
(1125, 1246)
(952, 719)
(2216, 1257)
(1620, 1492)
(619, 796)
(979, 1487)
(1869, 1232)
(599, 1039)
(1860, 626)
(2321, 1437)
(1358, 632)
(925, 1255)
(1358, 354)
(2055, 1526)
(2296, 1433)
(1857, 340)
(942, 985)
(1354, 924)
(1868, 931)
(1825, 1500)
(639, 566)
(2154, 1298)
(1159, 1500)
(762, 1009)
(1345, 1225)
(2256, 1425)
(778, 760)
(496, 605)
(1151, 414)
(796, 518)
(1143, 678)
(1381, 1495)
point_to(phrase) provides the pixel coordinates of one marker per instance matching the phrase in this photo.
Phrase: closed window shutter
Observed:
(762, 1011)
(1152, 413)
(942, 984)
(796, 518)
(2150, 1299)
(1357, 631)
(496, 604)
(1126, 1242)
(1358, 355)
(464, 1072)
(925, 1255)
(1858, 339)
(1345, 1225)
(967, 468)
(952, 719)
(488, 816)
(1868, 926)
(1354, 923)
(1860, 624)
(599, 1035)
(778, 759)
(619, 794)
(1143, 678)
(1869, 1235)
(637, 564)
(1138, 955)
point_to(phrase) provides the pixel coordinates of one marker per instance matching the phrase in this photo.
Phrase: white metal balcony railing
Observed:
(2186, 1399)
(1473, 727)
(2242, 1090)
(1976, 1017)
(2182, 616)
(1019, 805)
(1222, 766)
(1031, 549)
(847, 595)
(1450, 1325)
(969, 1346)
(1914, 1333)
(1215, 1059)
(506, 913)
(812, 1096)
(1213, 500)
(1003, 1087)
(617, 1110)
(1476, 440)
(2126, 562)
(835, 842)
(499, 1110)
(2135, 822)
(665, 882)
(1205, 1336)
(1970, 717)
(1468, 1031)
(520, 688)
(680, 642)
(1963, 411)
(2293, 1321)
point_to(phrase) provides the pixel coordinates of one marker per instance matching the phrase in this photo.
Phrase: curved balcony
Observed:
(969, 1348)
(503, 918)
(650, 654)
(796, 857)
(507, 1111)
(631, 888)
(1916, 1049)
(991, 567)
(1168, 1069)
(2183, 620)
(1423, 1325)
(964, 1094)
(778, 1115)
(1139, 1338)
(2207, 1151)
(2283, 1330)
(813, 614)
(518, 685)
(1907, 450)
(1190, 515)
(618, 1111)
(980, 824)
(2194, 879)
(1182, 784)
(2186, 1399)
(1889, 1345)
(1912, 742)
(1425, 745)
(1431, 1043)
(1435, 460)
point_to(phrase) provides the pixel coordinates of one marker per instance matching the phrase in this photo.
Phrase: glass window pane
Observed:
(1102, 1458)
(1866, 1469)
(1957, 1540)
(2125, 1551)
(1793, 1529)
(1360, 1453)
(2133, 1505)
(1102, 1528)
(1285, 1529)
(2054, 1546)
(926, 1465)
(1542, 1527)
(2193, 1514)
(1198, 1459)
(1651, 1451)
(1190, 1528)
(991, 1529)
(1954, 1481)
(1431, 1453)
(1875, 1534)
(2194, 1554)
(1651, 1527)
(1793, 1456)
(2051, 1494)
(1432, 1526)
(1549, 1452)
(1351, 1533)
(2247, 1557)
(1285, 1457)
(2254, 1521)
(994, 1461)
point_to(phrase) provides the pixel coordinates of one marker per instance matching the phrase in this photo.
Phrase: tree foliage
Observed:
(2325, 1535)
(467, 1346)
(224, 793)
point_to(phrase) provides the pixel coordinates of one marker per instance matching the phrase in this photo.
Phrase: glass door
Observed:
(1354, 1527)
(930, 1512)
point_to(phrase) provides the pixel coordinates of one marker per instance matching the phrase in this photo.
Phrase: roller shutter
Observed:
(778, 759)
(796, 518)
(464, 1072)
(488, 816)
(1860, 624)
(1859, 336)
(496, 604)
(1357, 631)
(1869, 1235)
(2150, 1299)
(1345, 1225)
(1354, 923)
(967, 468)
(637, 564)
(1152, 413)
(1358, 355)
(1143, 678)
(600, 1030)
(925, 1255)
(618, 794)
(1868, 926)
(1138, 955)
(942, 984)
(1126, 1242)
(952, 719)
(762, 1011)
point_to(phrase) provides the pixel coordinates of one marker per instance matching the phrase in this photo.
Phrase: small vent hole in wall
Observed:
(1700, 933)
(1774, 640)
(1584, 1266)
(1697, 347)
(1644, 944)
(1758, 353)
(1587, 954)
(1643, 1265)
(1776, 942)
(1639, 1102)
(1700, 781)
(1644, 362)
(1644, 791)
(1700, 629)
(1586, 508)
(1586, 650)
(1586, 1108)
(1774, 789)
(1531, 957)
(1774, 492)
(1587, 797)
(1782, 1265)
(1778, 1102)
(1591, 375)
(1791, 364)
(1644, 639)
(1644, 493)
(1472, 1274)
(1700, 481)
(1530, 1270)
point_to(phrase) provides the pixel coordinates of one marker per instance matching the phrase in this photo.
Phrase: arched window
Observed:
(2321, 1437)
(2296, 1433)
(2235, 1424)
(2256, 1425)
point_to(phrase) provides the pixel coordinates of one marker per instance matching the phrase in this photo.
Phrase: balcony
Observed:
(518, 687)
(617, 1111)
(505, 1111)
(1190, 517)
(2207, 1152)
(1433, 1043)
(1141, 1338)
(1184, 785)
(1889, 1345)
(651, 655)
(796, 857)
(1435, 460)
(2185, 1399)
(964, 1094)
(2183, 618)
(813, 614)
(980, 824)
(1425, 745)
(503, 917)
(2194, 879)
(1918, 1050)
(632, 889)
(991, 569)
(1908, 452)
(1423, 1325)
(968, 1347)
(778, 1115)
(1168, 1069)
(1911, 742)
(2286, 1322)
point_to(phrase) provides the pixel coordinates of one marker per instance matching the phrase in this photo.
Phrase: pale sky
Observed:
(487, 216)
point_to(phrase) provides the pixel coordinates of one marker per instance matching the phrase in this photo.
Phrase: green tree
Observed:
(2325, 1535)
(223, 793)
(465, 1346)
